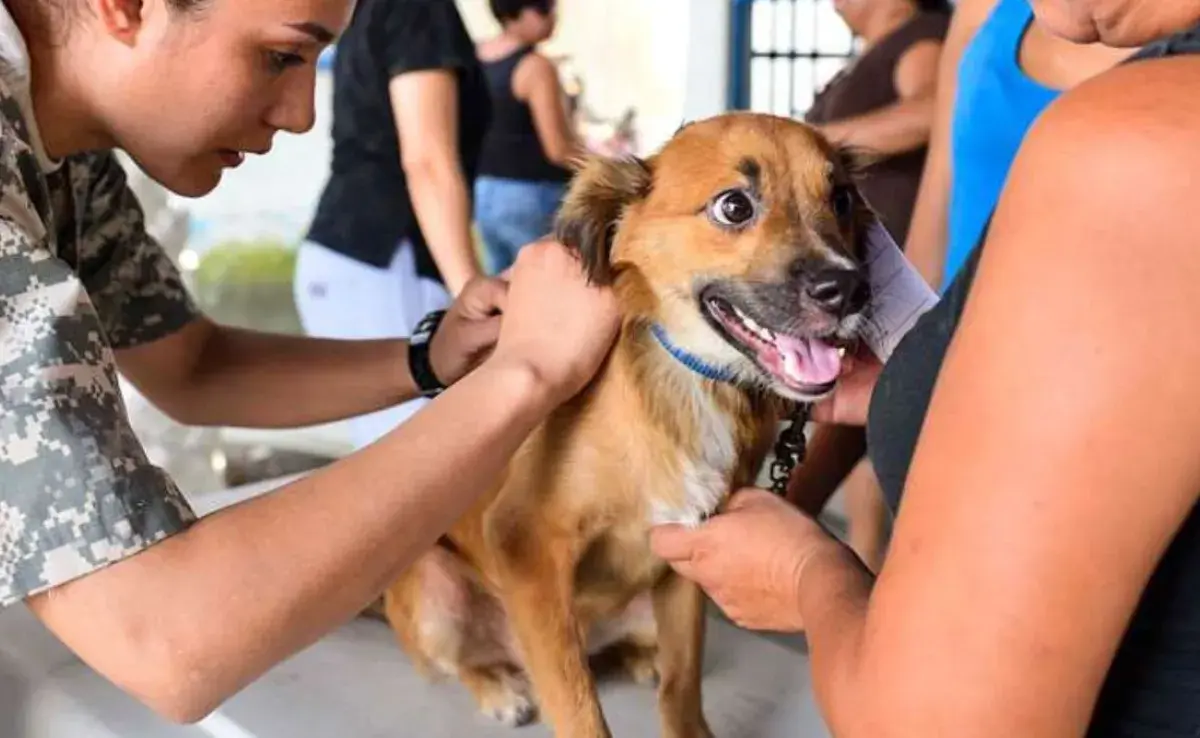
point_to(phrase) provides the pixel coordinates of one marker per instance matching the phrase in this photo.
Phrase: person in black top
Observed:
(523, 169)
(391, 238)
(1042, 423)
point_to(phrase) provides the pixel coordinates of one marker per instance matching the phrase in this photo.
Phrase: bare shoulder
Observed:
(534, 72)
(969, 15)
(537, 66)
(1144, 108)
(1128, 139)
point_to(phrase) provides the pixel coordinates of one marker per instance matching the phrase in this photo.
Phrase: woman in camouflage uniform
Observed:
(186, 87)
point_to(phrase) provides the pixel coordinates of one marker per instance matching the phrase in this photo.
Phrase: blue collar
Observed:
(691, 361)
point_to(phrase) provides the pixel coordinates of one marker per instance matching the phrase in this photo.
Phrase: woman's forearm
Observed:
(833, 453)
(896, 129)
(833, 602)
(260, 380)
(442, 204)
(188, 622)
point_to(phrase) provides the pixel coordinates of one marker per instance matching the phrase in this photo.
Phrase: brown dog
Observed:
(735, 254)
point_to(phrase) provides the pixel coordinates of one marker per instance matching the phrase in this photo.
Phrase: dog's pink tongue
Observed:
(808, 361)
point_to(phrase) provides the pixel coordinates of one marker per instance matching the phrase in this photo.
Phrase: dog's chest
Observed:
(706, 469)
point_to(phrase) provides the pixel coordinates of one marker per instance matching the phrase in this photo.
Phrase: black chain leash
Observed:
(789, 449)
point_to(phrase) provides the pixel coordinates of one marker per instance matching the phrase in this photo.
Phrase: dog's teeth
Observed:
(841, 352)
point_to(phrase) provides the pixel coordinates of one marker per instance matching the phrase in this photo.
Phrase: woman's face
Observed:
(1119, 23)
(540, 26)
(188, 94)
(852, 11)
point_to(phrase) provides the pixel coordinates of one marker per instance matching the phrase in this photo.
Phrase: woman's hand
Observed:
(750, 559)
(555, 322)
(468, 332)
(851, 398)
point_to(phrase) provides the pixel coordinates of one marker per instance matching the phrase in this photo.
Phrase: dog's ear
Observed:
(856, 160)
(593, 207)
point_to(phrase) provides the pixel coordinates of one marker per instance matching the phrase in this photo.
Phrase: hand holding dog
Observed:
(555, 322)
(468, 332)
(751, 558)
(851, 398)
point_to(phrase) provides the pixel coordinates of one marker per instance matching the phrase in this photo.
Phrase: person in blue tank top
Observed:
(999, 72)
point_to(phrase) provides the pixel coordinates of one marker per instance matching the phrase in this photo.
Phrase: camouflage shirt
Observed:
(79, 277)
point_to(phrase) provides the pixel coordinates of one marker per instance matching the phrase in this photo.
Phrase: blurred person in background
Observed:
(391, 240)
(523, 169)
(883, 104)
(999, 72)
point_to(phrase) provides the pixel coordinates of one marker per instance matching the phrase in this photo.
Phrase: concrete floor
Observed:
(355, 682)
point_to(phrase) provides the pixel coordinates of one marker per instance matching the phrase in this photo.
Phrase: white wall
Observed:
(665, 58)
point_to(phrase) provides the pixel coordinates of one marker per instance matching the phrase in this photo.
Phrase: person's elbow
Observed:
(177, 703)
(426, 165)
(183, 404)
(170, 679)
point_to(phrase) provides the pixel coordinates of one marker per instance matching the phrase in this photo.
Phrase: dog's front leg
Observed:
(537, 585)
(679, 614)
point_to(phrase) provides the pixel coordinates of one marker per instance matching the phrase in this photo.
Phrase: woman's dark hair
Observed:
(506, 10)
(935, 6)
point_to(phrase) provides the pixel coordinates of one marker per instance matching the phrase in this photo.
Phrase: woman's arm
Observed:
(536, 82)
(904, 125)
(927, 234)
(191, 620)
(833, 453)
(425, 105)
(1057, 461)
(208, 374)
(1009, 585)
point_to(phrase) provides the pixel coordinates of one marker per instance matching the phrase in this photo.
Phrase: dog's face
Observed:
(742, 238)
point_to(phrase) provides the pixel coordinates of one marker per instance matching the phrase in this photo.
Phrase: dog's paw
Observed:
(514, 710)
(640, 663)
(507, 697)
(642, 670)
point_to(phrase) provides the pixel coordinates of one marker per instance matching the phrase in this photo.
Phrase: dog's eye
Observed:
(733, 208)
(843, 201)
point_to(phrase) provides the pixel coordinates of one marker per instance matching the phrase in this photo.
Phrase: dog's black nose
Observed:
(837, 290)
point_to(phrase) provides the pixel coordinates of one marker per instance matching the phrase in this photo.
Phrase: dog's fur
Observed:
(554, 560)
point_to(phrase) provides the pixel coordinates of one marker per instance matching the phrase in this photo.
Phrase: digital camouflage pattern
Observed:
(79, 276)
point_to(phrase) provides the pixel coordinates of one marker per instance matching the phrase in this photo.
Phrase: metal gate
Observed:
(783, 52)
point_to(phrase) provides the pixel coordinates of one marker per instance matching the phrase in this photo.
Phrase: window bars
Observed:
(783, 52)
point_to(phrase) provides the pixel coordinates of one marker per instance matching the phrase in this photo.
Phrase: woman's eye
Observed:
(733, 208)
(279, 62)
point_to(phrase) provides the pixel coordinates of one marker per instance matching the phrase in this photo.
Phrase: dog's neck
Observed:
(708, 419)
(690, 360)
(662, 369)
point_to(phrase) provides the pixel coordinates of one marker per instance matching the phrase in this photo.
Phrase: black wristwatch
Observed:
(418, 355)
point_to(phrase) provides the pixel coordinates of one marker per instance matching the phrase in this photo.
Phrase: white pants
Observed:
(338, 297)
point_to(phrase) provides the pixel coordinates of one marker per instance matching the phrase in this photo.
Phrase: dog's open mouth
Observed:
(807, 365)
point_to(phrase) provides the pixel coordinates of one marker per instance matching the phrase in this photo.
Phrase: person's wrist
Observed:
(420, 362)
(822, 561)
(456, 283)
(522, 380)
